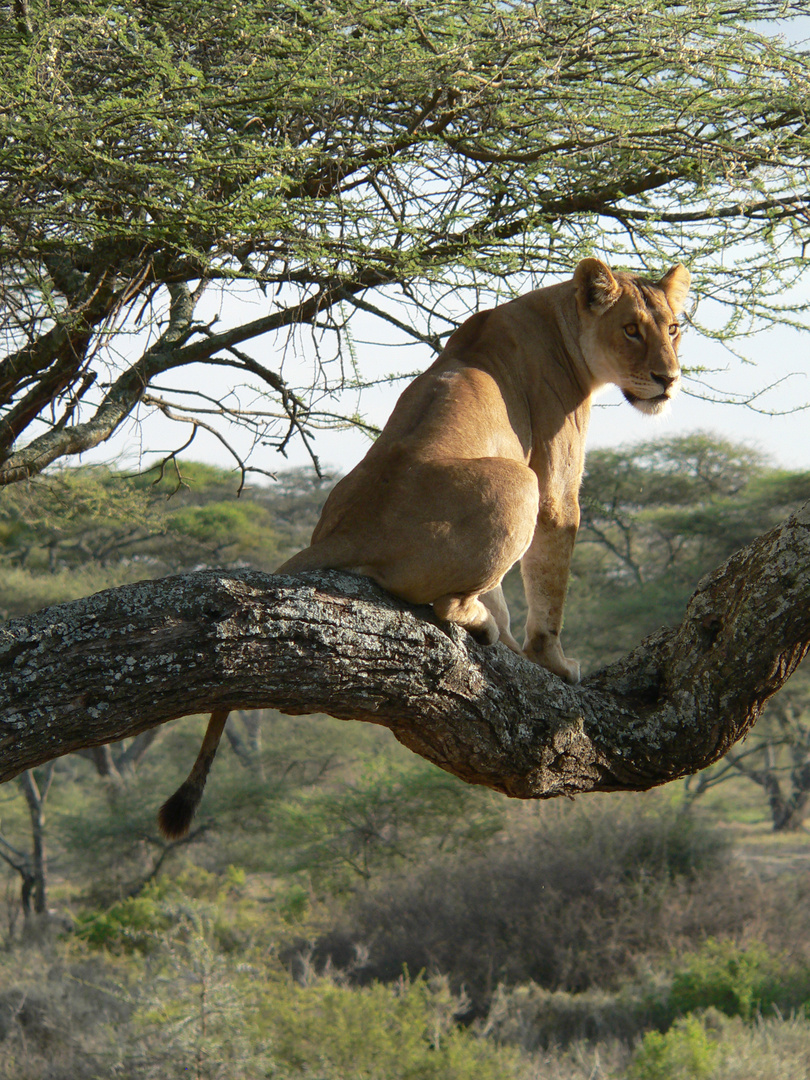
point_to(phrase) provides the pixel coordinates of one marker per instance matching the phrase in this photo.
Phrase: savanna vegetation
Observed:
(190, 196)
(344, 908)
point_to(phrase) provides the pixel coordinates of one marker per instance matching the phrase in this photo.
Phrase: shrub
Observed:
(536, 1019)
(139, 923)
(203, 1012)
(688, 1051)
(55, 1010)
(132, 925)
(406, 1031)
(571, 903)
(771, 1049)
(724, 1049)
(743, 982)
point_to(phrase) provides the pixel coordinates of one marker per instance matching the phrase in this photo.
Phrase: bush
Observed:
(688, 1051)
(55, 1010)
(536, 1019)
(133, 925)
(744, 982)
(205, 1012)
(140, 923)
(724, 1049)
(406, 1031)
(770, 1049)
(571, 903)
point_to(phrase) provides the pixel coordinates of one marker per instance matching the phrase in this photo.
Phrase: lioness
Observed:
(480, 464)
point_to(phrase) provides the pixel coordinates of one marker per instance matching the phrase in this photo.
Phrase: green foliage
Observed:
(402, 1032)
(23, 591)
(140, 923)
(744, 982)
(134, 925)
(184, 978)
(196, 1007)
(317, 151)
(656, 517)
(76, 531)
(228, 527)
(688, 1051)
(328, 806)
(392, 812)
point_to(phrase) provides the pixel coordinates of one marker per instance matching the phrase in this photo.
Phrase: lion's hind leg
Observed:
(491, 523)
(469, 613)
(495, 601)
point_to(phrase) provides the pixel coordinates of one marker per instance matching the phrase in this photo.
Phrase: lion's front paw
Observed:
(570, 670)
(546, 651)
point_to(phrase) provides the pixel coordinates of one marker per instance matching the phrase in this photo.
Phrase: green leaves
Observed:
(323, 150)
(80, 530)
(655, 518)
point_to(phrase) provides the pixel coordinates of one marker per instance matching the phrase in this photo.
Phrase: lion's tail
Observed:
(320, 557)
(176, 814)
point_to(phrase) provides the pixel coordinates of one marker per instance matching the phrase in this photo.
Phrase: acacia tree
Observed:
(342, 156)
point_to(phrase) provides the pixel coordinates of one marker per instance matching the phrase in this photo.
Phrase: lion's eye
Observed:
(632, 331)
(674, 329)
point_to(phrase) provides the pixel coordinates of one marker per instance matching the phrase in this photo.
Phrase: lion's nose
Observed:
(664, 380)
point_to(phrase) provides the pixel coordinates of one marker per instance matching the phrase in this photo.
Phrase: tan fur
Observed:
(480, 464)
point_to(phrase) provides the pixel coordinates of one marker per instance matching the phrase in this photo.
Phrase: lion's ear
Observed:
(675, 285)
(597, 288)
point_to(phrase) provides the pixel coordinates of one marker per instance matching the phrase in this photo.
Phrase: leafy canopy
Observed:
(320, 158)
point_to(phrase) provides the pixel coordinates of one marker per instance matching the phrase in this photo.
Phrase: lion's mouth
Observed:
(648, 405)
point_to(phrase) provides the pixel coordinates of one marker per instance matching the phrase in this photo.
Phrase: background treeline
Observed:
(343, 908)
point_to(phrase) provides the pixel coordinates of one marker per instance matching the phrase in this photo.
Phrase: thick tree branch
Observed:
(128, 659)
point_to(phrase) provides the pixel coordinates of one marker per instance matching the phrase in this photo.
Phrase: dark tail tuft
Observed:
(177, 813)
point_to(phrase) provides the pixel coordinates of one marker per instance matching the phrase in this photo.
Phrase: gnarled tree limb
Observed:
(128, 659)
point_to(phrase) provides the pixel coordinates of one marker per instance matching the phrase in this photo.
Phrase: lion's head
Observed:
(630, 330)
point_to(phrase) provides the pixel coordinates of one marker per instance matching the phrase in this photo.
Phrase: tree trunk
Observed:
(35, 881)
(793, 813)
(128, 659)
(247, 747)
(130, 758)
(793, 809)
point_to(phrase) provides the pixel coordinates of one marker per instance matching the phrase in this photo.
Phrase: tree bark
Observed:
(128, 659)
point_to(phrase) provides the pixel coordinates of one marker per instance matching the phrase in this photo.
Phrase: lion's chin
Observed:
(653, 406)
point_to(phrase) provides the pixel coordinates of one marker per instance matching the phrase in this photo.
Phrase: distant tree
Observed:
(656, 517)
(74, 530)
(775, 757)
(324, 159)
(32, 865)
